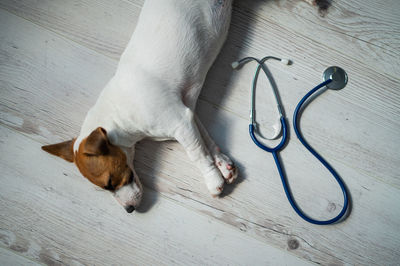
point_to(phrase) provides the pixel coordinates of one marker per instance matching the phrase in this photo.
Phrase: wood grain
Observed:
(372, 29)
(255, 33)
(54, 216)
(7, 257)
(49, 78)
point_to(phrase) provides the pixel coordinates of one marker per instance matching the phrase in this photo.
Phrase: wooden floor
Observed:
(55, 58)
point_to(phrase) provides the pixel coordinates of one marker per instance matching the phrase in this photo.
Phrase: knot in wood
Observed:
(293, 243)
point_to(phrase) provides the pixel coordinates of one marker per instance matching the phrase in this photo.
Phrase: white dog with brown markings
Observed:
(153, 95)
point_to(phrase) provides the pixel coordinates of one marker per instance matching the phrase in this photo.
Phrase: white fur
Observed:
(159, 77)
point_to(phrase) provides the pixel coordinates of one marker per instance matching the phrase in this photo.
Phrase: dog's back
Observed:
(176, 41)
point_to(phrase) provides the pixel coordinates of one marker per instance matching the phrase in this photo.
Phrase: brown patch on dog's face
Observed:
(97, 159)
(101, 162)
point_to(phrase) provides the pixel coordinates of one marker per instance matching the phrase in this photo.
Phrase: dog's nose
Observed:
(130, 208)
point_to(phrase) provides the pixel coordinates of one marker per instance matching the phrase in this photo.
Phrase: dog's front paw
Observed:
(228, 170)
(214, 182)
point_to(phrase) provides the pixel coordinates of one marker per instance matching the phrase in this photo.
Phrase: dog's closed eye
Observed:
(109, 186)
(130, 178)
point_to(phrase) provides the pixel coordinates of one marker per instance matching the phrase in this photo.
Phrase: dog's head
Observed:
(104, 164)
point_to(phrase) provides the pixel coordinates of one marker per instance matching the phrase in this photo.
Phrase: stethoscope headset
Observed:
(333, 78)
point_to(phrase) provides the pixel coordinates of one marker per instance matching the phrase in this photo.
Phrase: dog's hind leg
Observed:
(188, 135)
(225, 165)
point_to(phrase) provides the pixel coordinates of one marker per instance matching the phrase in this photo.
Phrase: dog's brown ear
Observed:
(97, 142)
(63, 150)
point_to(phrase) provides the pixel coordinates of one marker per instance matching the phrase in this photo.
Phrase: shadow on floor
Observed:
(221, 76)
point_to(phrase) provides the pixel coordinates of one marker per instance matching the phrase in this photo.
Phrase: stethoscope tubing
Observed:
(278, 147)
(296, 119)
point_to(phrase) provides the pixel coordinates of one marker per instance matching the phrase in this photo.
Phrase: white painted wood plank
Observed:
(54, 216)
(371, 27)
(37, 64)
(79, 19)
(257, 205)
(8, 257)
(370, 102)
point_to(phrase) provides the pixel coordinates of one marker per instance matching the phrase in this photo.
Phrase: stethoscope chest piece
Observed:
(338, 77)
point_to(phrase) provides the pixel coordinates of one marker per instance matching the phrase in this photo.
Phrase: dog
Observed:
(153, 95)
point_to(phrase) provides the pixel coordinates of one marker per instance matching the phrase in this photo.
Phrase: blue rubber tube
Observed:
(296, 118)
(280, 146)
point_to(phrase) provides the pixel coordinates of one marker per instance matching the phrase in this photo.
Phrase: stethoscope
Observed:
(334, 78)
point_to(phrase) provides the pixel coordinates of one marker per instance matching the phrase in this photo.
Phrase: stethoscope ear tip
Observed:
(286, 61)
(235, 64)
